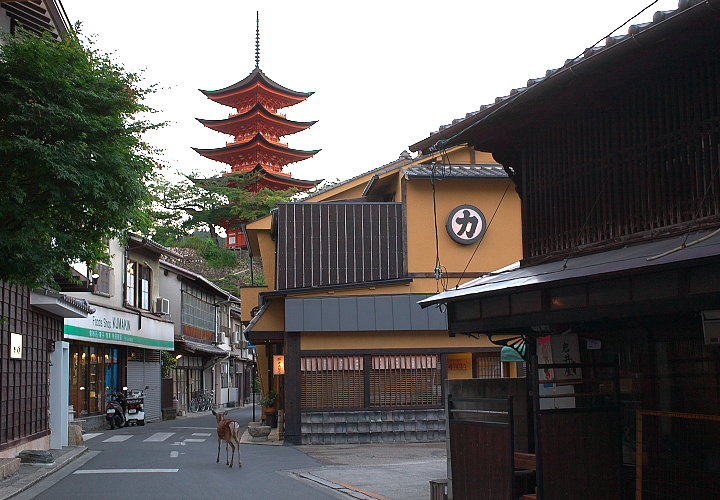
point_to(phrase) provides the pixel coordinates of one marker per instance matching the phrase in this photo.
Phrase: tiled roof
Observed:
(460, 171)
(74, 302)
(458, 124)
(152, 245)
(197, 277)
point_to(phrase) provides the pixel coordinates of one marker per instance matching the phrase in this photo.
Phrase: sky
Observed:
(385, 74)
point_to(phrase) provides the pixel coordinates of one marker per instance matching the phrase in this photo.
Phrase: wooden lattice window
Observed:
(488, 365)
(402, 380)
(332, 382)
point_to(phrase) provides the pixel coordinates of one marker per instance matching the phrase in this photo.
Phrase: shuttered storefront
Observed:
(143, 370)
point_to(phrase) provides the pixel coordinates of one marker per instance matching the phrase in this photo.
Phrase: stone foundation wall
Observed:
(351, 427)
(42, 443)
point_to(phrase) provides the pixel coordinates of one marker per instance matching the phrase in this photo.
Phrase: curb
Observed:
(341, 488)
(30, 474)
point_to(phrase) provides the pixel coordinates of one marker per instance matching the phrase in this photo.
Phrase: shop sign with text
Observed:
(109, 326)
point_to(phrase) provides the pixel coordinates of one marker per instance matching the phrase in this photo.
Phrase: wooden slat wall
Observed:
(332, 382)
(338, 243)
(405, 381)
(392, 381)
(24, 396)
(641, 158)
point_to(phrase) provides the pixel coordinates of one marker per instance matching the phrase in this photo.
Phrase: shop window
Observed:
(138, 280)
(93, 374)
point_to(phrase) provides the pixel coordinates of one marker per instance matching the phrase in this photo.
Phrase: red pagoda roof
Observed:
(257, 150)
(278, 181)
(256, 119)
(256, 87)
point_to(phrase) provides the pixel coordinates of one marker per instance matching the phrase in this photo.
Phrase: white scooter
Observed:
(135, 409)
(124, 409)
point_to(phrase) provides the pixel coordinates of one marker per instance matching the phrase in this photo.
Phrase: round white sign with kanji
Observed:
(466, 224)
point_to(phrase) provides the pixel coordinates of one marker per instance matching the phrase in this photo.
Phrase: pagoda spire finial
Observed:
(257, 39)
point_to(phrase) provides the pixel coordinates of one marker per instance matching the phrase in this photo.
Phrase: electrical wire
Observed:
(477, 245)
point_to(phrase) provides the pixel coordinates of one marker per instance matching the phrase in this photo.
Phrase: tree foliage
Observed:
(73, 165)
(220, 201)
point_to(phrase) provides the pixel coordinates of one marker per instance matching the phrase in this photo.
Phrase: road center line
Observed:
(123, 471)
(174, 454)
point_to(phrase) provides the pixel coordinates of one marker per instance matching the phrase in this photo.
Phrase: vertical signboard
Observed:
(557, 381)
(16, 347)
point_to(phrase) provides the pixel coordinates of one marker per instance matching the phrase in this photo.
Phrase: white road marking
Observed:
(196, 428)
(122, 471)
(207, 434)
(119, 438)
(195, 440)
(174, 454)
(178, 443)
(159, 436)
(90, 435)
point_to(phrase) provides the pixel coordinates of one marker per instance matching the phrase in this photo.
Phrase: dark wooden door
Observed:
(481, 449)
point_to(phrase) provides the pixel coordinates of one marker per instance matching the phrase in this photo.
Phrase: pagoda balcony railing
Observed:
(245, 110)
(235, 143)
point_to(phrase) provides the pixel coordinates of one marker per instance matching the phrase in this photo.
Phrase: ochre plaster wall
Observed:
(501, 245)
(320, 341)
(273, 319)
(249, 299)
(267, 251)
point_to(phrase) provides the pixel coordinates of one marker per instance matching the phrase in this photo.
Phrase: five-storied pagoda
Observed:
(257, 128)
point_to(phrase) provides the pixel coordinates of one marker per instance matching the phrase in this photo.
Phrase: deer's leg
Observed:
(218, 456)
(239, 456)
(232, 445)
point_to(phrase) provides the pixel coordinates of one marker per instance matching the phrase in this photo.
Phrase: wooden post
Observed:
(638, 455)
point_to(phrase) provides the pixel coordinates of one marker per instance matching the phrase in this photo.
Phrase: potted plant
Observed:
(268, 402)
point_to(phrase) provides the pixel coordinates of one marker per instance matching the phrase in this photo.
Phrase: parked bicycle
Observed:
(202, 401)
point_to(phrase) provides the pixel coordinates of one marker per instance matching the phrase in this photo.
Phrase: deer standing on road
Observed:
(228, 431)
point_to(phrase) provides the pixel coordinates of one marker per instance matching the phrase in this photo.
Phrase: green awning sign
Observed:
(508, 354)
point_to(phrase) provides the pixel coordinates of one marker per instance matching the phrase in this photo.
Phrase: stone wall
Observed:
(350, 427)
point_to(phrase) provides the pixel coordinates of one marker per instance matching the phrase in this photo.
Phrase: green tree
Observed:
(210, 203)
(73, 164)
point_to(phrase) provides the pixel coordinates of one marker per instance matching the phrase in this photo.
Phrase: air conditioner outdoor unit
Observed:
(162, 305)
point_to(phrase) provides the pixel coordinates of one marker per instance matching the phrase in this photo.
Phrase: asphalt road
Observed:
(176, 459)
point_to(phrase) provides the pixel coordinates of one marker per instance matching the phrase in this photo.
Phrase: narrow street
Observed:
(176, 459)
